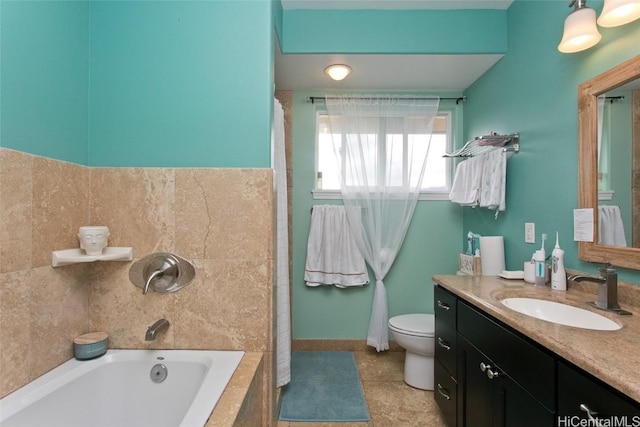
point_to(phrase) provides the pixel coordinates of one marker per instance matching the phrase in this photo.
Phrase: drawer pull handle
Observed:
(484, 367)
(443, 305)
(593, 421)
(443, 392)
(442, 343)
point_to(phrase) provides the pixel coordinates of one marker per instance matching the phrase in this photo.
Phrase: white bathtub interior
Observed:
(116, 390)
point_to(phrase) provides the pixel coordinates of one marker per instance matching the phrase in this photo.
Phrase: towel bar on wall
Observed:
(482, 144)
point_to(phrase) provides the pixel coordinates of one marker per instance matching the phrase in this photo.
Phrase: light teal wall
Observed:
(154, 83)
(394, 31)
(181, 83)
(44, 78)
(533, 90)
(431, 247)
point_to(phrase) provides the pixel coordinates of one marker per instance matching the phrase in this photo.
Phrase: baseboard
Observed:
(337, 345)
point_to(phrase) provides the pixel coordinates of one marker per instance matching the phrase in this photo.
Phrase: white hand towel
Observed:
(333, 258)
(610, 226)
(494, 180)
(465, 189)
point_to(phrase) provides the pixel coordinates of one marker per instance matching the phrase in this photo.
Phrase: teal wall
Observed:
(394, 31)
(155, 83)
(432, 242)
(44, 78)
(430, 247)
(533, 90)
(181, 83)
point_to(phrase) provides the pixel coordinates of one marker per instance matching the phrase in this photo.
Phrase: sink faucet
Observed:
(607, 288)
(155, 329)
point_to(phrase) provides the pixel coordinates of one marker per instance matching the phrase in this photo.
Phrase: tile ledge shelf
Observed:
(77, 255)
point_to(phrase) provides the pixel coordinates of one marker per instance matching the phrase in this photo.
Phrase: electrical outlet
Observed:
(529, 232)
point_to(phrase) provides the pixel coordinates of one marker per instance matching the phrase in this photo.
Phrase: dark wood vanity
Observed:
(488, 373)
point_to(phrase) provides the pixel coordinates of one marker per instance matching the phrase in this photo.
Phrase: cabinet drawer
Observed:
(446, 345)
(445, 394)
(576, 388)
(524, 362)
(444, 306)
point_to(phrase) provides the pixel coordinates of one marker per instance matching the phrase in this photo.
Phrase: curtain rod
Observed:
(312, 99)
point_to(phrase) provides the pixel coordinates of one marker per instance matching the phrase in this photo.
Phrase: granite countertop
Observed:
(611, 356)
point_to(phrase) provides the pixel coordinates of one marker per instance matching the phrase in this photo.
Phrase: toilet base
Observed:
(418, 371)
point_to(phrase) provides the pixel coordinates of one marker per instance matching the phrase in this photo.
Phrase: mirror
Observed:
(594, 171)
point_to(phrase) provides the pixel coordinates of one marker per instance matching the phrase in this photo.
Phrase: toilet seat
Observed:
(419, 325)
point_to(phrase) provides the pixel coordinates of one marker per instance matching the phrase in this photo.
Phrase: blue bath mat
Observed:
(325, 386)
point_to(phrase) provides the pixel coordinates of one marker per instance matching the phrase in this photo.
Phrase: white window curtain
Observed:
(381, 144)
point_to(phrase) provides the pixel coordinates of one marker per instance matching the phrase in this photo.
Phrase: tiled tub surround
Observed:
(220, 219)
(611, 356)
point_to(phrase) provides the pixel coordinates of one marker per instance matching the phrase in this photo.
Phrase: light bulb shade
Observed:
(337, 71)
(619, 12)
(580, 31)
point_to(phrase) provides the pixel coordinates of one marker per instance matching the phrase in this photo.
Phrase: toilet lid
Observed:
(414, 324)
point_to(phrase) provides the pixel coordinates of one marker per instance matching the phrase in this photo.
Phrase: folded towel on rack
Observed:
(333, 258)
(494, 180)
(610, 226)
(465, 189)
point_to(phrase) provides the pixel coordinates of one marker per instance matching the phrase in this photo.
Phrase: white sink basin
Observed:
(560, 313)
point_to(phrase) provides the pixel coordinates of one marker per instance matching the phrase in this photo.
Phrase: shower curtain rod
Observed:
(313, 99)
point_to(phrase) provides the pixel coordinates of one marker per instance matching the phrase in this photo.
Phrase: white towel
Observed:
(494, 180)
(465, 189)
(333, 258)
(610, 226)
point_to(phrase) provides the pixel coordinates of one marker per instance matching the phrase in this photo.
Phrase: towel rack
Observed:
(481, 144)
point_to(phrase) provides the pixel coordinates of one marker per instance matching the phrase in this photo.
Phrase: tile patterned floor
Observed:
(391, 402)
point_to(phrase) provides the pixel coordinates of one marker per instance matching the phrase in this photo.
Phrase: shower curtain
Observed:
(382, 144)
(283, 321)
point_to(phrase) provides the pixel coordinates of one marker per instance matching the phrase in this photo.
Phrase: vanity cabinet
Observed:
(580, 397)
(445, 383)
(502, 377)
(503, 380)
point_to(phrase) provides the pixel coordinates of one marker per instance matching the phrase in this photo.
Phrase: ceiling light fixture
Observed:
(580, 30)
(337, 71)
(619, 12)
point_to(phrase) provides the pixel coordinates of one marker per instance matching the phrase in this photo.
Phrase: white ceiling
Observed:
(441, 73)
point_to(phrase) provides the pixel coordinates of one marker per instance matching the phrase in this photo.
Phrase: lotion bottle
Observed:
(558, 273)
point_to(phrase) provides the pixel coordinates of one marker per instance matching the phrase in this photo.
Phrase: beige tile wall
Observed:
(220, 219)
(41, 309)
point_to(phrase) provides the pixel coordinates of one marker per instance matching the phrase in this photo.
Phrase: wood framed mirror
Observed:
(588, 173)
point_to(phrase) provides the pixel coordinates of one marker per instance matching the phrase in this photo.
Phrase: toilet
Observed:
(415, 333)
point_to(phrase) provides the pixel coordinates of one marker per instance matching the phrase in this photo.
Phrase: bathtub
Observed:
(117, 390)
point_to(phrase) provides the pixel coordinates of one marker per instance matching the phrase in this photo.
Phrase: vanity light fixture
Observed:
(337, 71)
(619, 12)
(580, 30)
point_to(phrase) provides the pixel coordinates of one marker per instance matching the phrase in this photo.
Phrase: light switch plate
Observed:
(529, 232)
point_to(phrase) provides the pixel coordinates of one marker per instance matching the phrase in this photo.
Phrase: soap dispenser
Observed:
(558, 273)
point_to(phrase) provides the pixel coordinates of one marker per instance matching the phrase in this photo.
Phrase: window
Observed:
(437, 179)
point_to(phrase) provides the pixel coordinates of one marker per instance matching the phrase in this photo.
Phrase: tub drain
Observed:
(158, 373)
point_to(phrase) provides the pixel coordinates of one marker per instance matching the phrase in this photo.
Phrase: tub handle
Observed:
(152, 276)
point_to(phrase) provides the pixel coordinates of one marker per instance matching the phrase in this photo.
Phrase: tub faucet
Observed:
(607, 288)
(155, 329)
